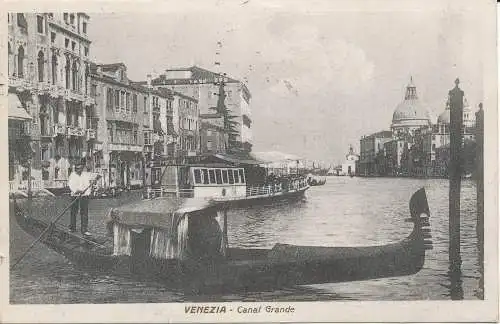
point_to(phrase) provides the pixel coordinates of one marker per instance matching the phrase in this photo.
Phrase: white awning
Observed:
(16, 109)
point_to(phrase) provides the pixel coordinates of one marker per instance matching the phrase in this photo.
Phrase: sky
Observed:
(320, 77)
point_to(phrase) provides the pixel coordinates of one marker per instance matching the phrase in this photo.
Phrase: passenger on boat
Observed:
(79, 183)
(205, 238)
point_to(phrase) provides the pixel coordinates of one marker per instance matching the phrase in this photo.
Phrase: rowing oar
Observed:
(53, 222)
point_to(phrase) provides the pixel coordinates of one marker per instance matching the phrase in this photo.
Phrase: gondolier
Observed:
(80, 184)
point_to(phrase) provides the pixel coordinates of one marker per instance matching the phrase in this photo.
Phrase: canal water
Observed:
(344, 212)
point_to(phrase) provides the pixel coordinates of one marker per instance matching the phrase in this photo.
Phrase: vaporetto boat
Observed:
(222, 182)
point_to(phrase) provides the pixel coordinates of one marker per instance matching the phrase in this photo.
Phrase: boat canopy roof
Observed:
(160, 212)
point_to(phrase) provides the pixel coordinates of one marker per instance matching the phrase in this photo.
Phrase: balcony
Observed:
(91, 134)
(157, 138)
(75, 131)
(59, 130)
(156, 109)
(88, 100)
(42, 87)
(125, 147)
(20, 84)
(46, 132)
(122, 116)
(73, 95)
(54, 91)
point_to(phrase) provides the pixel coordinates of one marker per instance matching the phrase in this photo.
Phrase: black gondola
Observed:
(185, 241)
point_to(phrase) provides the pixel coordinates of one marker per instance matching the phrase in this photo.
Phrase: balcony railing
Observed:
(157, 137)
(23, 185)
(91, 134)
(75, 131)
(20, 83)
(125, 147)
(59, 129)
(47, 132)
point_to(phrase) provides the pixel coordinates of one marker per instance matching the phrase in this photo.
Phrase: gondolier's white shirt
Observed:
(79, 182)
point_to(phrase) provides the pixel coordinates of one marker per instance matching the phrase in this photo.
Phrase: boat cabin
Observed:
(169, 228)
(196, 181)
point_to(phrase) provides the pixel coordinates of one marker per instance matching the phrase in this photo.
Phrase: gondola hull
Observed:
(249, 269)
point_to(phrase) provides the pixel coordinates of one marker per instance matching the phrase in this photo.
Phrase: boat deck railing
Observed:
(23, 185)
(274, 188)
(167, 190)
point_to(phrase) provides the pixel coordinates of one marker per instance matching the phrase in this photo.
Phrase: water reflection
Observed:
(455, 277)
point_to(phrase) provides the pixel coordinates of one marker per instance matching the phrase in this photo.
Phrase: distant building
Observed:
(213, 136)
(349, 165)
(371, 147)
(188, 125)
(416, 147)
(394, 151)
(411, 114)
(48, 70)
(124, 126)
(203, 85)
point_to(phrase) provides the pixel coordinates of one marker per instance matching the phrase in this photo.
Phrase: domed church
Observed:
(443, 124)
(410, 114)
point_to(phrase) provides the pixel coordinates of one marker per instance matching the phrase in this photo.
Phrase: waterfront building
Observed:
(349, 165)
(157, 138)
(394, 151)
(436, 140)
(203, 85)
(189, 125)
(371, 148)
(48, 67)
(124, 126)
(411, 114)
(169, 120)
(213, 138)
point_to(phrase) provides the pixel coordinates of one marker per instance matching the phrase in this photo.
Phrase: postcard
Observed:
(249, 161)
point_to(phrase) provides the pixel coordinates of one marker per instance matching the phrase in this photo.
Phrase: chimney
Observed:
(148, 80)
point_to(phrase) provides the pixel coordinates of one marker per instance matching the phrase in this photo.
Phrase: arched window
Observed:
(20, 62)
(68, 73)
(54, 68)
(40, 66)
(75, 77)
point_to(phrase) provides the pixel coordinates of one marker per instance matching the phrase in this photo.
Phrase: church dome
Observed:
(444, 118)
(411, 112)
(469, 117)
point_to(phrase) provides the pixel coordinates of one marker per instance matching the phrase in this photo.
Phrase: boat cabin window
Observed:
(197, 176)
(211, 174)
(242, 175)
(230, 176)
(236, 177)
(224, 176)
(218, 176)
(205, 176)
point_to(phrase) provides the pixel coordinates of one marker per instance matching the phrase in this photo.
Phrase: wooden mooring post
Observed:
(480, 193)
(456, 96)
